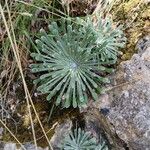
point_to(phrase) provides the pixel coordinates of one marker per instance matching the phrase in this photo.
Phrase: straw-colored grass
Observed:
(14, 46)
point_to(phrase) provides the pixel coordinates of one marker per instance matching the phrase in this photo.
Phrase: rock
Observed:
(1, 132)
(29, 146)
(13, 146)
(129, 111)
(124, 110)
(61, 131)
(102, 130)
(1, 145)
(10, 146)
(143, 44)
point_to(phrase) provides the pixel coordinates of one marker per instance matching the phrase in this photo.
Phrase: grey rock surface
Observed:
(10, 146)
(125, 104)
(130, 107)
(13, 146)
(61, 131)
(128, 100)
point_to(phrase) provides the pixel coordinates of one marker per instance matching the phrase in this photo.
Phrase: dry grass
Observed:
(17, 59)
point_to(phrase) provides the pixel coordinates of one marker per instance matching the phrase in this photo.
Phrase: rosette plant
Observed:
(70, 62)
(107, 37)
(80, 140)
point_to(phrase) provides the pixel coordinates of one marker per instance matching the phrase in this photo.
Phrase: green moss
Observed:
(134, 14)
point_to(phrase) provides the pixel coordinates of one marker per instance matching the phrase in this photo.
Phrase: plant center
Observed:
(73, 66)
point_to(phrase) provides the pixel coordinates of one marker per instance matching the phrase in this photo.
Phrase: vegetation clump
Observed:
(73, 58)
(81, 140)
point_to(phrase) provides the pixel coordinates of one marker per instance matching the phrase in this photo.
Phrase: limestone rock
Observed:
(61, 131)
(13, 146)
(130, 108)
(125, 107)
